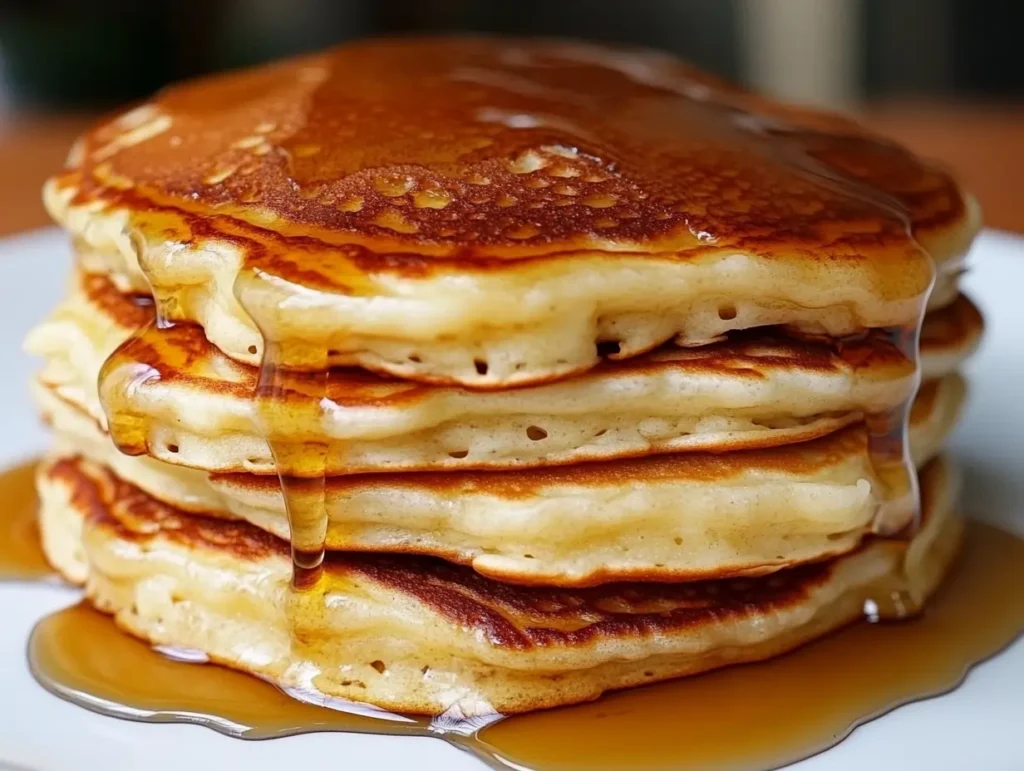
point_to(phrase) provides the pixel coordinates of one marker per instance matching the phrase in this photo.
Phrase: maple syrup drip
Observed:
(305, 495)
(889, 446)
(21, 554)
(750, 716)
(300, 467)
(128, 431)
(888, 434)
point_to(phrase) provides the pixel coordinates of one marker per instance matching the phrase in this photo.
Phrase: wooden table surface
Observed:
(983, 145)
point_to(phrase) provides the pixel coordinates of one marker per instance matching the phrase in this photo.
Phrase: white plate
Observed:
(978, 726)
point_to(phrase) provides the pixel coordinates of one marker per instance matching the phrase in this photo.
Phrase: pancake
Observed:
(493, 213)
(949, 336)
(175, 396)
(417, 635)
(663, 518)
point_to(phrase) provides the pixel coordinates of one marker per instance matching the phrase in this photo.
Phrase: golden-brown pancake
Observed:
(948, 336)
(419, 635)
(486, 212)
(172, 394)
(661, 518)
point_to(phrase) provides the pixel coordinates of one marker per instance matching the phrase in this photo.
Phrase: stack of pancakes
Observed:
(541, 368)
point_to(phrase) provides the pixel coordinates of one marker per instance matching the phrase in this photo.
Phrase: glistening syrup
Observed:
(21, 555)
(888, 433)
(750, 716)
(304, 498)
(746, 717)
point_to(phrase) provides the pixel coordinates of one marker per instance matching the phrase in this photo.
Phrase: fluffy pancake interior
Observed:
(638, 307)
(418, 635)
(175, 396)
(663, 518)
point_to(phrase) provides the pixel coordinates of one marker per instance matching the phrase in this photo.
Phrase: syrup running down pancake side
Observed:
(307, 513)
(747, 717)
(309, 218)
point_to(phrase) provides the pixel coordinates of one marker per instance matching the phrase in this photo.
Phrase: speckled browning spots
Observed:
(653, 149)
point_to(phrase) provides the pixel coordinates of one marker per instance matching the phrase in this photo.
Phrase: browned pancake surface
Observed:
(478, 149)
(956, 326)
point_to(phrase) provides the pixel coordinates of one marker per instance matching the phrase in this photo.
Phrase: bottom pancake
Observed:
(418, 635)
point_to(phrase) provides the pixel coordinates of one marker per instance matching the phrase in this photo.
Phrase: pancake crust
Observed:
(682, 156)
(483, 212)
(418, 635)
(173, 395)
(667, 518)
(948, 336)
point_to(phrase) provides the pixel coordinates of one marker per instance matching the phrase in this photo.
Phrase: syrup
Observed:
(888, 433)
(304, 499)
(21, 555)
(751, 716)
(889, 445)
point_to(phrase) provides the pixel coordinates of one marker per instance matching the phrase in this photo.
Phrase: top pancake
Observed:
(477, 211)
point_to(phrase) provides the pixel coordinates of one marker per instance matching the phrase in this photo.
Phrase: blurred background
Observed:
(945, 76)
